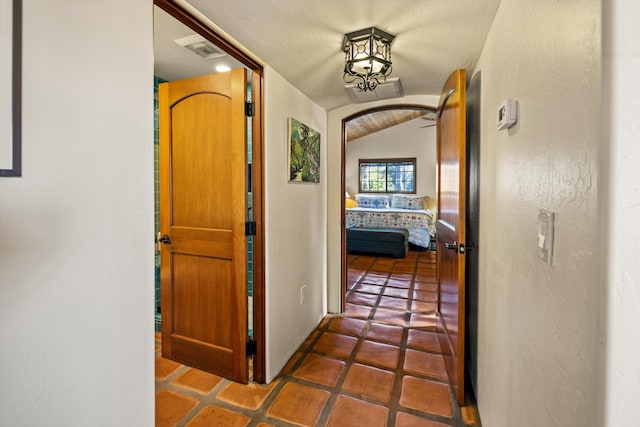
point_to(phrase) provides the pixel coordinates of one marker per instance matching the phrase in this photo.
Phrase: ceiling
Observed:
(302, 39)
(373, 122)
(174, 62)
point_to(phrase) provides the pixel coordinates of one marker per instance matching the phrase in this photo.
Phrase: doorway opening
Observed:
(386, 136)
(184, 48)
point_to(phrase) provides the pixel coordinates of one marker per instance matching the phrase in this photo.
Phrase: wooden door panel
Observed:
(449, 167)
(203, 209)
(199, 152)
(450, 228)
(197, 280)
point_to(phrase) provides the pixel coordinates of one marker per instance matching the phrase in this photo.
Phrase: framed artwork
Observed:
(304, 152)
(10, 87)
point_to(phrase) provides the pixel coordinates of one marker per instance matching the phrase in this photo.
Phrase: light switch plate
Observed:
(545, 235)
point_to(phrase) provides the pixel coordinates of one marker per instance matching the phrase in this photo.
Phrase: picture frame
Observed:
(11, 88)
(304, 152)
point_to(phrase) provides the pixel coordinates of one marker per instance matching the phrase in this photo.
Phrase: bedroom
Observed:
(407, 140)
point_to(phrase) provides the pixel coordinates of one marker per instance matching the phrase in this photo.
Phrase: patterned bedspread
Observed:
(420, 223)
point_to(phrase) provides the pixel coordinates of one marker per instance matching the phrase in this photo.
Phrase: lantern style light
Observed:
(367, 57)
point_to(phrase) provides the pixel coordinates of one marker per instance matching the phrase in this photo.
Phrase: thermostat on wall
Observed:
(507, 114)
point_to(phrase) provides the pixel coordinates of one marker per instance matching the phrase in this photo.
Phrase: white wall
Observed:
(621, 56)
(76, 248)
(295, 221)
(540, 327)
(408, 139)
(334, 196)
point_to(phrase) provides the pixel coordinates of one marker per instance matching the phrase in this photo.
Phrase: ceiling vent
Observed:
(390, 89)
(200, 46)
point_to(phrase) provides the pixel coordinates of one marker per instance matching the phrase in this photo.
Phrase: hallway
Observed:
(379, 364)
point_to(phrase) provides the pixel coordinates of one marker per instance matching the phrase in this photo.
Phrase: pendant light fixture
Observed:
(367, 57)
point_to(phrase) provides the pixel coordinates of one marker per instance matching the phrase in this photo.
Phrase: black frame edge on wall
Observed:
(16, 92)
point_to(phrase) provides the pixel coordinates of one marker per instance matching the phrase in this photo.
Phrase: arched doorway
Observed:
(363, 127)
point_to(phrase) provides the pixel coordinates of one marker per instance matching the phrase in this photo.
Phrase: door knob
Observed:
(165, 239)
(453, 246)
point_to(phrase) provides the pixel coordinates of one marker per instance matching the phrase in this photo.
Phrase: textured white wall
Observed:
(540, 326)
(295, 218)
(334, 197)
(621, 56)
(76, 245)
(408, 139)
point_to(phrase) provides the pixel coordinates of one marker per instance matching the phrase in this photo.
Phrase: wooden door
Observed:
(450, 227)
(203, 207)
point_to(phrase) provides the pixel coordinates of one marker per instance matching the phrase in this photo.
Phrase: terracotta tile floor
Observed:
(378, 364)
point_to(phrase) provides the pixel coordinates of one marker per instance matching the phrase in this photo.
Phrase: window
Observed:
(387, 175)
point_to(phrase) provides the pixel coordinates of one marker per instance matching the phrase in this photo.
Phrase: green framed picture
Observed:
(304, 152)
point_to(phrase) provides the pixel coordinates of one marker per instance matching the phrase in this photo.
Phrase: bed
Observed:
(394, 211)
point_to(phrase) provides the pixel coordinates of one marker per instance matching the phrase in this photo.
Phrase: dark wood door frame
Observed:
(343, 234)
(259, 361)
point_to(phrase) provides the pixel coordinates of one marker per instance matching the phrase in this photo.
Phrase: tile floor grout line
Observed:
(417, 264)
(397, 391)
(337, 389)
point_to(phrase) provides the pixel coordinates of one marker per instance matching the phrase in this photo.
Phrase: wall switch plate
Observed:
(545, 235)
(303, 296)
(507, 114)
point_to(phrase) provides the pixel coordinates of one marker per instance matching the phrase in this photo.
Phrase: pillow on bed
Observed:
(402, 201)
(372, 201)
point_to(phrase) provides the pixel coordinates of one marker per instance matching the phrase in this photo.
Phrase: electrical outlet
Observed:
(303, 296)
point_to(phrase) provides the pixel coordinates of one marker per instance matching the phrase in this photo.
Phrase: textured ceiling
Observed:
(301, 39)
(173, 62)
